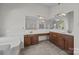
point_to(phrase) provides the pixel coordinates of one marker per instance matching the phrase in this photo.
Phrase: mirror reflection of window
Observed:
(60, 24)
(60, 21)
(41, 26)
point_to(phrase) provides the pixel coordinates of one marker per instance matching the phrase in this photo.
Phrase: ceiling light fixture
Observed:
(41, 17)
(61, 14)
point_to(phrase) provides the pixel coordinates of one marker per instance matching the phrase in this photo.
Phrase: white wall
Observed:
(14, 14)
(67, 8)
(70, 19)
(14, 17)
(2, 30)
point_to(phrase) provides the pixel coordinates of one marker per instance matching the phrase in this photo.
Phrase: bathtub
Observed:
(14, 43)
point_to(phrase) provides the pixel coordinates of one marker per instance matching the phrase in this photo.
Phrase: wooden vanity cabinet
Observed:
(34, 39)
(69, 44)
(54, 38)
(27, 40)
(51, 37)
(30, 40)
(63, 41)
(57, 39)
(60, 42)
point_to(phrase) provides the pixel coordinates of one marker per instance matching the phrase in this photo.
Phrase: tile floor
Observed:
(43, 48)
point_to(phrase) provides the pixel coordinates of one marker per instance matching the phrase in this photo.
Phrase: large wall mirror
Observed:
(61, 21)
(33, 23)
(30, 22)
(64, 21)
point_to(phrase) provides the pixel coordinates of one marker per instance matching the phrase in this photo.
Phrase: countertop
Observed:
(30, 32)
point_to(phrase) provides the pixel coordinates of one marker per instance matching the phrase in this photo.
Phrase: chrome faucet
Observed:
(31, 31)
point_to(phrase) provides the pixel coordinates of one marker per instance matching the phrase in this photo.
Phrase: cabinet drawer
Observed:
(61, 42)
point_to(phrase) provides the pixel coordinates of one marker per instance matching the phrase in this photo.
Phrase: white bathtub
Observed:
(14, 43)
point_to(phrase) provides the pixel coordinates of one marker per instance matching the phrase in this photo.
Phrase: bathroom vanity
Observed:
(58, 30)
(63, 41)
(30, 39)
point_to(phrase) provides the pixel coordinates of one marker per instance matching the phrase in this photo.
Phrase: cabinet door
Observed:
(27, 41)
(55, 40)
(61, 42)
(34, 39)
(69, 45)
(51, 37)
